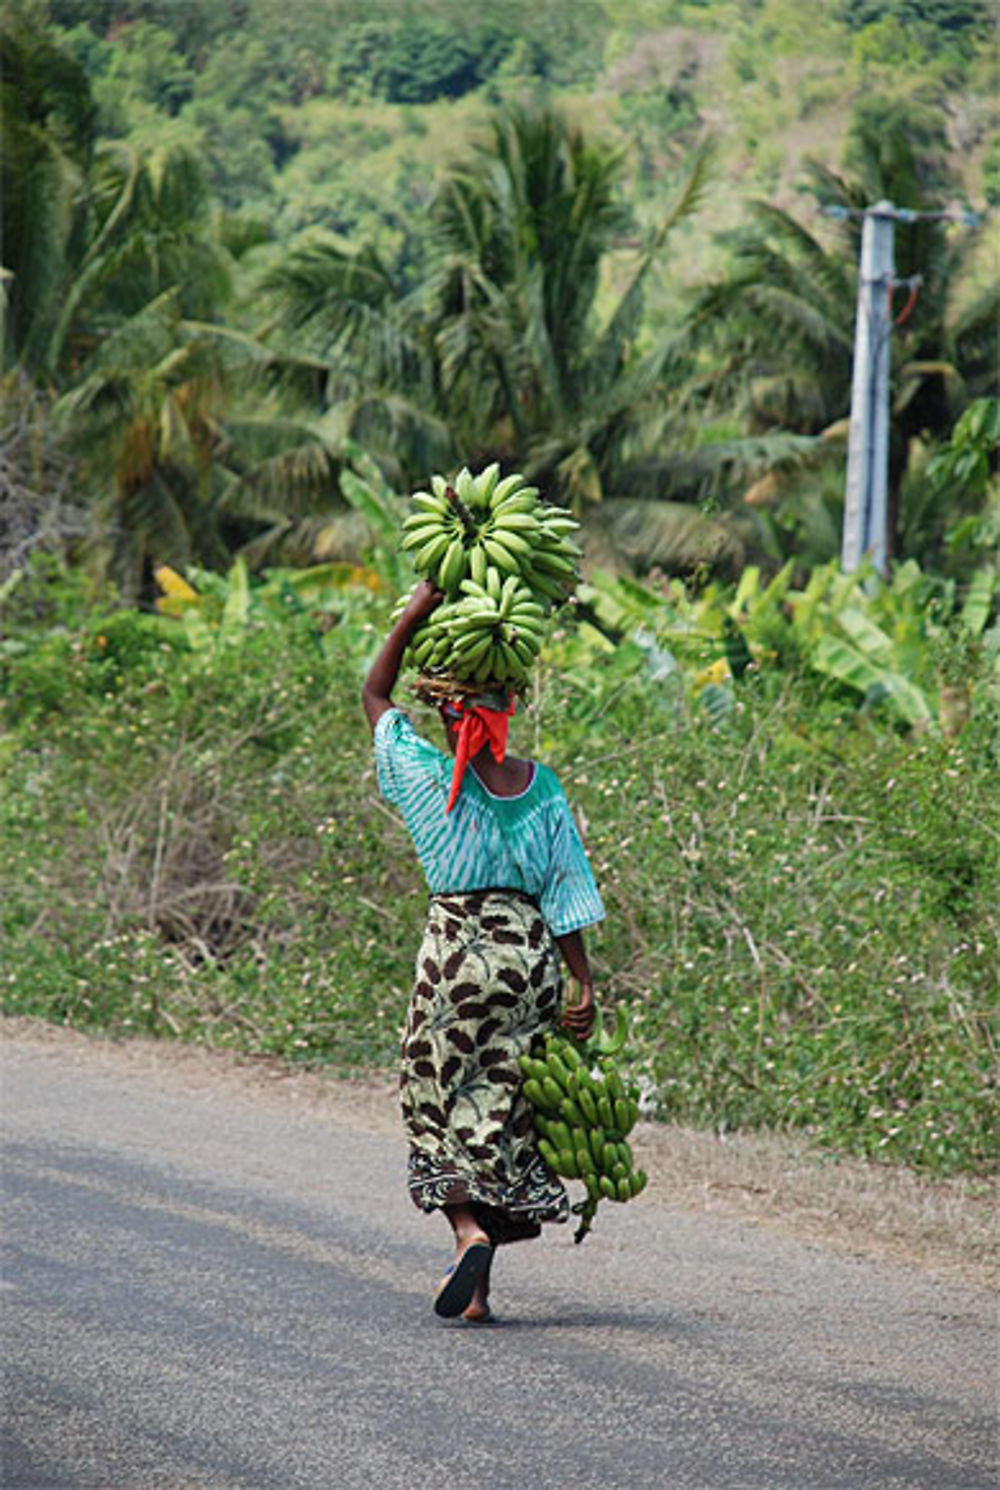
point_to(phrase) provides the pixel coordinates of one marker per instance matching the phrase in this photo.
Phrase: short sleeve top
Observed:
(528, 842)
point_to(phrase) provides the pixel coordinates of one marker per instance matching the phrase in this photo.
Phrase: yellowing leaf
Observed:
(173, 584)
(718, 672)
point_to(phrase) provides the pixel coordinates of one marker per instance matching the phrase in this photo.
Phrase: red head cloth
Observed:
(478, 726)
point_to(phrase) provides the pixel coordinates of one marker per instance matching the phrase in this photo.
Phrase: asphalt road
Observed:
(201, 1287)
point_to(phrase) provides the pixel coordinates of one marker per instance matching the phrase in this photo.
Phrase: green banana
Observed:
(553, 1095)
(513, 665)
(464, 484)
(534, 1094)
(433, 506)
(419, 537)
(568, 1165)
(501, 556)
(598, 1147)
(613, 1079)
(585, 1159)
(611, 1045)
(509, 521)
(486, 484)
(526, 651)
(505, 488)
(426, 557)
(549, 562)
(557, 1069)
(494, 541)
(514, 543)
(452, 568)
(571, 1056)
(549, 1154)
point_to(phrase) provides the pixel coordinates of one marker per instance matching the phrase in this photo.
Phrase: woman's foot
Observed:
(479, 1311)
(466, 1282)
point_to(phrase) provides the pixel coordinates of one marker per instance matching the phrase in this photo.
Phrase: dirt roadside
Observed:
(775, 1183)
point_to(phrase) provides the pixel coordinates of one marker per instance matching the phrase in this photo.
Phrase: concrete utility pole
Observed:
(865, 502)
(865, 531)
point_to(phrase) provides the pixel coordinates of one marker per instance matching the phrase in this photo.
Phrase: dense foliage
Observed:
(231, 245)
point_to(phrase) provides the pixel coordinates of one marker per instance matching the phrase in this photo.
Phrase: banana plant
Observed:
(879, 643)
(218, 611)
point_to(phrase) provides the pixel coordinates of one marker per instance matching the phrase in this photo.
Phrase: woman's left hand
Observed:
(578, 1018)
(425, 598)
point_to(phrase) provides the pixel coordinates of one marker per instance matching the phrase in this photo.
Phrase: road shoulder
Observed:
(774, 1183)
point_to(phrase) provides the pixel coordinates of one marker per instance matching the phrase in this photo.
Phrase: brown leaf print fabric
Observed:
(487, 982)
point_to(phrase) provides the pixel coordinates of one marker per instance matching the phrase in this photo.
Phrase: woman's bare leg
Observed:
(465, 1226)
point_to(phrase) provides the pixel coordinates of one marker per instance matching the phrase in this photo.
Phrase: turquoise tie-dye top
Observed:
(528, 842)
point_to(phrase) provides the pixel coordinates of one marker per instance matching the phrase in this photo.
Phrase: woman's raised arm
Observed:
(381, 680)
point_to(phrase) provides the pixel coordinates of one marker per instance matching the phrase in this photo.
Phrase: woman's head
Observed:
(453, 711)
(477, 722)
(451, 720)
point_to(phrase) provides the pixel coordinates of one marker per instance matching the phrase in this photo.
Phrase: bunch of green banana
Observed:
(583, 1115)
(503, 559)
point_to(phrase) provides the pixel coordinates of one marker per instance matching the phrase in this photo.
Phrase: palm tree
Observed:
(346, 338)
(521, 236)
(186, 454)
(48, 139)
(777, 332)
(115, 282)
(499, 352)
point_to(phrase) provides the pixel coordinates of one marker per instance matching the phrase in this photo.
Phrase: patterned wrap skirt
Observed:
(487, 983)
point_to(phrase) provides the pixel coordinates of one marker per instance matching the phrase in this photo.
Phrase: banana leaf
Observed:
(979, 600)
(237, 606)
(718, 702)
(865, 635)
(838, 658)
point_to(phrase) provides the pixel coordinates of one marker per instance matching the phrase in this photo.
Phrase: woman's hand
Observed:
(578, 1016)
(425, 598)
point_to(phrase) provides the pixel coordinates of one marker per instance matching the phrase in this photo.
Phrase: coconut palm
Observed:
(521, 235)
(348, 340)
(777, 332)
(186, 454)
(499, 352)
(48, 139)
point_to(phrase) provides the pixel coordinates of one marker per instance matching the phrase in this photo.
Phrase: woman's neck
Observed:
(508, 779)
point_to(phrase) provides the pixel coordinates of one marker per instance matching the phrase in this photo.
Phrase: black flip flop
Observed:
(459, 1284)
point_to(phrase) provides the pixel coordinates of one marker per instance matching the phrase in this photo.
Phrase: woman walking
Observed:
(511, 890)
